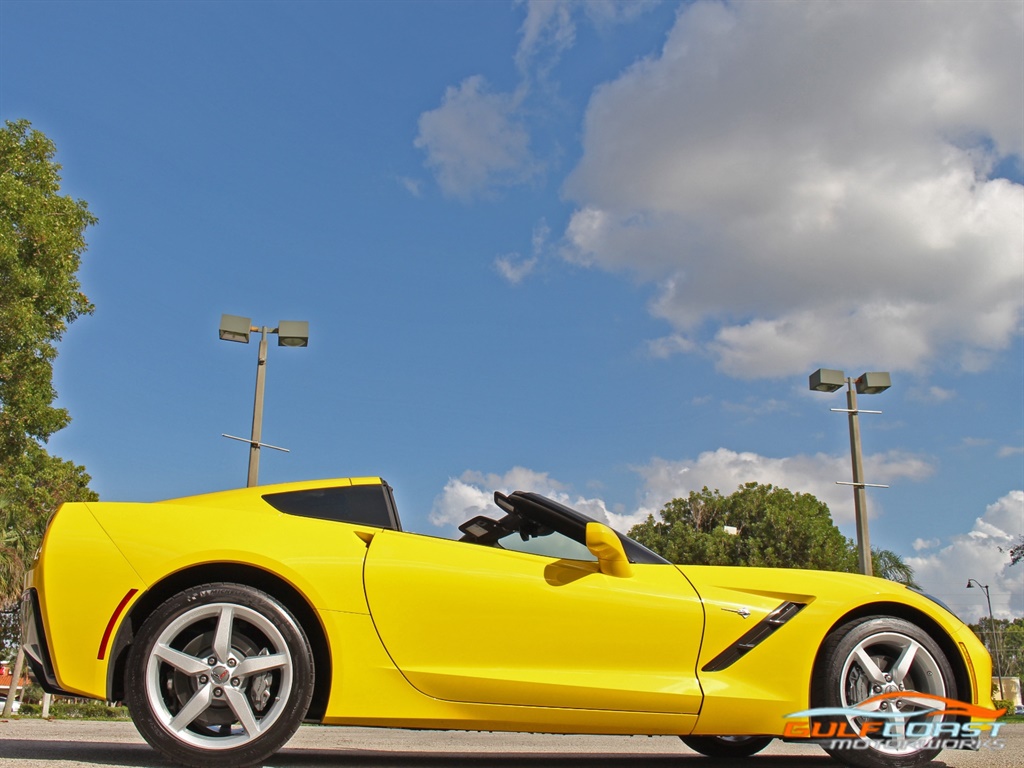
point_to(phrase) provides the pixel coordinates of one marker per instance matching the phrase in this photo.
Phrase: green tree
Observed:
(774, 528)
(886, 564)
(10, 635)
(758, 525)
(1004, 640)
(32, 486)
(42, 238)
(31, 489)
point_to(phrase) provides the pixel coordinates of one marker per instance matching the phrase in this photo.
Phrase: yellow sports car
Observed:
(226, 620)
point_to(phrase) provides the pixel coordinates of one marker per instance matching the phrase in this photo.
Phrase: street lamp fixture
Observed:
(831, 380)
(235, 328)
(293, 333)
(290, 333)
(971, 583)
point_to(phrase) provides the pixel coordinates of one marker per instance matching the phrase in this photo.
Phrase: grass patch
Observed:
(77, 710)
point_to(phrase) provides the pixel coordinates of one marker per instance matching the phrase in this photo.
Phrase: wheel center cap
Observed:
(220, 674)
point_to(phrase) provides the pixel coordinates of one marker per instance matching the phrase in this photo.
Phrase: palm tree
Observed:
(886, 564)
(11, 564)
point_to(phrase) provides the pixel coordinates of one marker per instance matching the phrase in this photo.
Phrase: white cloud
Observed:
(472, 492)
(514, 268)
(809, 181)
(667, 346)
(413, 186)
(475, 141)
(932, 394)
(976, 555)
(920, 544)
(976, 442)
(478, 140)
(549, 29)
(1008, 451)
(725, 470)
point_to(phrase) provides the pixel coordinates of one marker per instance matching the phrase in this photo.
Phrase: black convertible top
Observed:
(549, 513)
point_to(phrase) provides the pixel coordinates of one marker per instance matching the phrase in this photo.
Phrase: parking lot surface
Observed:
(33, 743)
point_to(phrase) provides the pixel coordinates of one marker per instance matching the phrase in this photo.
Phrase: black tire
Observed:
(219, 676)
(875, 655)
(727, 746)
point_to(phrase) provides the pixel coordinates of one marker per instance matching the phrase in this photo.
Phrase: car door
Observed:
(471, 623)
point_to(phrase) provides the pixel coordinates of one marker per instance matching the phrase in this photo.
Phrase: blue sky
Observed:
(588, 249)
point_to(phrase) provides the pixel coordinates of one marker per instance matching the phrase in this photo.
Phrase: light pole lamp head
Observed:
(235, 328)
(293, 333)
(873, 383)
(827, 380)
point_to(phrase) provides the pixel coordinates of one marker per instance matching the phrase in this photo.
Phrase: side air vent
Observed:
(757, 634)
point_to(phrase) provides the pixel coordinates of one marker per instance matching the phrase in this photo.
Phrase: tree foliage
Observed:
(1010, 638)
(31, 489)
(886, 564)
(774, 528)
(42, 238)
(10, 635)
(1016, 551)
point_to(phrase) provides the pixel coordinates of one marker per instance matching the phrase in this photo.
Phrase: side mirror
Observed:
(605, 545)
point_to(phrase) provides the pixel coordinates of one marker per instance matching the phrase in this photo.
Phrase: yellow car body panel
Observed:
(322, 559)
(426, 632)
(504, 627)
(80, 596)
(753, 695)
(368, 690)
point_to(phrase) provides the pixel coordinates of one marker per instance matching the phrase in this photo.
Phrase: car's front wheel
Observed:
(873, 667)
(220, 675)
(727, 746)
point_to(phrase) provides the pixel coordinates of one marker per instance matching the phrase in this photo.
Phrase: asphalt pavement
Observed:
(34, 743)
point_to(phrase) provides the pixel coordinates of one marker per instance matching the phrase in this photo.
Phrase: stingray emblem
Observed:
(744, 612)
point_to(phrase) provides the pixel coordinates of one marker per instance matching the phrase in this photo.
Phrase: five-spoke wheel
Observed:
(876, 665)
(221, 674)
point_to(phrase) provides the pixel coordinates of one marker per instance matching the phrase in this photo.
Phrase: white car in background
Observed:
(14, 707)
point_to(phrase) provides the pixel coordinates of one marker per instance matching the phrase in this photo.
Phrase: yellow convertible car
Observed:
(226, 620)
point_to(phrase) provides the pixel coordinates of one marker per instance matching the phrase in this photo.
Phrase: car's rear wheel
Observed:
(727, 746)
(869, 664)
(219, 675)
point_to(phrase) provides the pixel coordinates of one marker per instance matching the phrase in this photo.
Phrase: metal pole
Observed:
(257, 411)
(995, 641)
(860, 503)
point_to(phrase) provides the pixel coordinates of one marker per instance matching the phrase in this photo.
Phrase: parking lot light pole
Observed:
(971, 583)
(829, 380)
(257, 410)
(290, 333)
